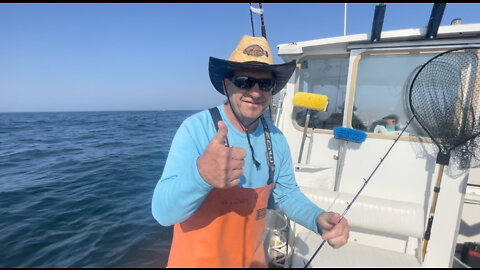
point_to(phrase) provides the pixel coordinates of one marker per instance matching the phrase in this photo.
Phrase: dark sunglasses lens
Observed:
(243, 82)
(266, 85)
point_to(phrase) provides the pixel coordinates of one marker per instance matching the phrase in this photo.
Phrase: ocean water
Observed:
(76, 188)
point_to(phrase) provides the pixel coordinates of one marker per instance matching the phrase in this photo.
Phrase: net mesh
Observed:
(444, 98)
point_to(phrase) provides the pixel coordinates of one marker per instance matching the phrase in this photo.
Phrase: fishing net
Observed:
(444, 99)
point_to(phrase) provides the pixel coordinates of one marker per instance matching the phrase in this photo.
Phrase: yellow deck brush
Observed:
(310, 101)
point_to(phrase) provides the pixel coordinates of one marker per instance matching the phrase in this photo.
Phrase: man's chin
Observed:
(253, 115)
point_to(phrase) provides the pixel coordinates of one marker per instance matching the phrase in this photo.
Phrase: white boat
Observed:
(366, 81)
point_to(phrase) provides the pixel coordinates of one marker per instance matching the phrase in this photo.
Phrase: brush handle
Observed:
(304, 135)
(341, 159)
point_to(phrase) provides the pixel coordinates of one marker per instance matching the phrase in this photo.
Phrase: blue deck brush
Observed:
(349, 134)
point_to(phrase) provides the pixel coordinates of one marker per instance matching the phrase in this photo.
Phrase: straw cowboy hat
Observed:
(250, 53)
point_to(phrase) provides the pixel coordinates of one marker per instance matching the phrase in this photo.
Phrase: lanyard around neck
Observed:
(215, 113)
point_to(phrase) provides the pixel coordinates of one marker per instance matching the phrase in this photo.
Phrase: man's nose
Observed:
(255, 90)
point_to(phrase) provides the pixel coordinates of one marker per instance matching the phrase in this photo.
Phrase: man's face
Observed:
(249, 104)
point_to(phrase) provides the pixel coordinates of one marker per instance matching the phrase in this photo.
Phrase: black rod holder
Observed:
(377, 22)
(435, 19)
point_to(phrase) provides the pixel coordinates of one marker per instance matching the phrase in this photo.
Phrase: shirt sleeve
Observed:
(181, 190)
(289, 197)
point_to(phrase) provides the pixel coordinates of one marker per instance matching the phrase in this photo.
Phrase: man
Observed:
(220, 173)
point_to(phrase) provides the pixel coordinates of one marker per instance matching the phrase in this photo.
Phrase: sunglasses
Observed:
(245, 82)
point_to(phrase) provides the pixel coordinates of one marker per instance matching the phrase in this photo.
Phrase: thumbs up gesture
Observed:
(221, 166)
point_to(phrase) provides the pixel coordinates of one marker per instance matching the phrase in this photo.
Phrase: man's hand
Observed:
(335, 234)
(221, 166)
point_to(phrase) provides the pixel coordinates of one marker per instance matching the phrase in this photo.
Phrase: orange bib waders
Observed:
(227, 228)
(226, 231)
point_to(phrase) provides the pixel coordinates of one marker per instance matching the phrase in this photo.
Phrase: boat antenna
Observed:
(251, 19)
(345, 21)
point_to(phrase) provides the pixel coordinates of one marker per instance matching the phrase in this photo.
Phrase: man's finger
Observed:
(339, 237)
(237, 164)
(238, 153)
(235, 174)
(334, 231)
(340, 230)
(234, 182)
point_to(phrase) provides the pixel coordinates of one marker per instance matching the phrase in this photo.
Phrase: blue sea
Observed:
(76, 188)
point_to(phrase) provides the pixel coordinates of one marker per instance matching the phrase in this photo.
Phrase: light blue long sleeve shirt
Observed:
(181, 190)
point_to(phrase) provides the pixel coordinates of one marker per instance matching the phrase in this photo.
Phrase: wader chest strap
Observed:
(215, 113)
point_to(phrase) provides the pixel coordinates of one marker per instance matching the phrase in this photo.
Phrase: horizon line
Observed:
(143, 110)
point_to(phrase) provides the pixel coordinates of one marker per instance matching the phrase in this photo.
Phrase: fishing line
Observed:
(251, 19)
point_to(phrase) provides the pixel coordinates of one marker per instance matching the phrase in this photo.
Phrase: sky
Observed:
(123, 57)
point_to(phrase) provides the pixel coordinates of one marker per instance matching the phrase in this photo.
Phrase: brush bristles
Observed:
(310, 101)
(349, 134)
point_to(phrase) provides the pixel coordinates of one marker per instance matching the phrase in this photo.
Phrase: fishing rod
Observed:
(251, 19)
(258, 11)
(363, 186)
(264, 33)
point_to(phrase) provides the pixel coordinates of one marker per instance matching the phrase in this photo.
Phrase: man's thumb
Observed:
(333, 218)
(221, 133)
